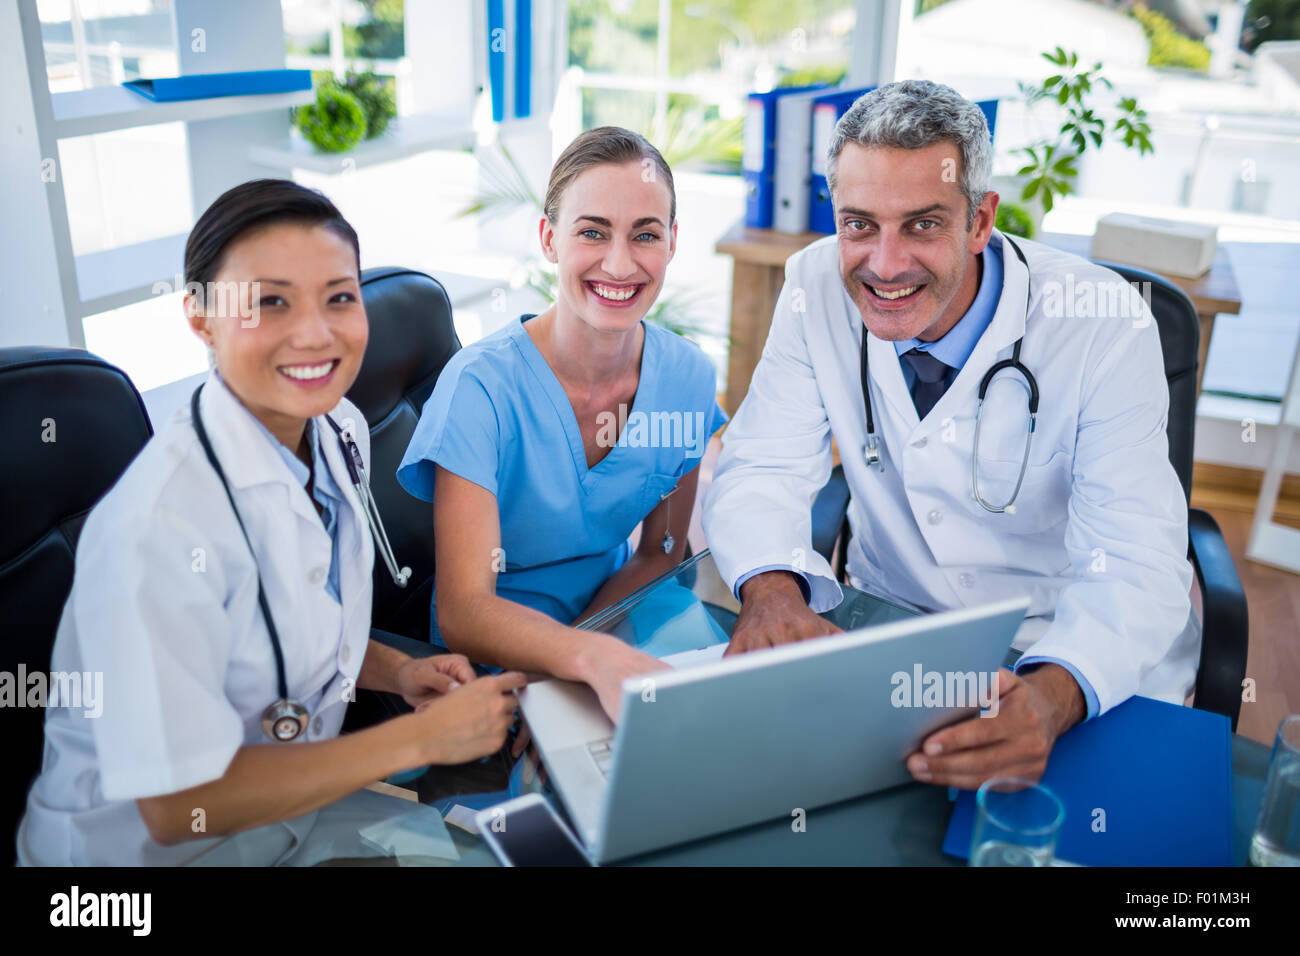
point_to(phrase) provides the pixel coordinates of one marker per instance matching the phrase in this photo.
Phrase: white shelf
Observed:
(405, 136)
(103, 109)
(126, 274)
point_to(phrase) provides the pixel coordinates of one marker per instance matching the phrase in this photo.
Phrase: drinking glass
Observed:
(1016, 823)
(1276, 841)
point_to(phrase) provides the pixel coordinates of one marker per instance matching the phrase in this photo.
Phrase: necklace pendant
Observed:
(668, 543)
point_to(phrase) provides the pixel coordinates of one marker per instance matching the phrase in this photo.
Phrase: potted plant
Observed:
(345, 113)
(335, 122)
(375, 95)
(1050, 166)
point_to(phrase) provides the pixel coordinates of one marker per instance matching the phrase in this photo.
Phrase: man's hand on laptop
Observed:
(1033, 709)
(772, 612)
(605, 662)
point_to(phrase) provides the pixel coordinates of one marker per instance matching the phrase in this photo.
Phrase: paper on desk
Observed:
(418, 832)
(363, 825)
(463, 817)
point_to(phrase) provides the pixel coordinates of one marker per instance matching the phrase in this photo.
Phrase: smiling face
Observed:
(907, 258)
(612, 239)
(294, 357)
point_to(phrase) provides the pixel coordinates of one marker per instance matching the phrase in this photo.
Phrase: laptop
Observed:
(718, 744)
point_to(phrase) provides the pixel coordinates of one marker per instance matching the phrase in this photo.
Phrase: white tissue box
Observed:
(1177, 248)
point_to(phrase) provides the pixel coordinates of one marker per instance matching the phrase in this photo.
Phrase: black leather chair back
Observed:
(411, 339)
(70, 423)
(1225, 636)
(1180, 339)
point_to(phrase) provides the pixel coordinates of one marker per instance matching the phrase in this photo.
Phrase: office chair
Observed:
(411, 339)
(71, 425)
(1225, 631)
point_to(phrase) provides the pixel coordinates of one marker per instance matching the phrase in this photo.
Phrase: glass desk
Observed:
(691, 607)
(668, 614)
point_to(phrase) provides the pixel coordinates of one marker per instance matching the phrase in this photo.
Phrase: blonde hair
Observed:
(598, 147)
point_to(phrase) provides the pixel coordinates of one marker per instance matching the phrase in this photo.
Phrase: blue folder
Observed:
(1162, 775)
(827, 110)
(523, 58)
(202, 86)
(496, 23)
(990, 110)
(758, 164)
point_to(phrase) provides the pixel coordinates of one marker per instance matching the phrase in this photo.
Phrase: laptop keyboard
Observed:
(602, 753)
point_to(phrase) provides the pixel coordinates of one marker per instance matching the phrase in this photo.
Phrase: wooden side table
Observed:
(759, 273)
(756, 281)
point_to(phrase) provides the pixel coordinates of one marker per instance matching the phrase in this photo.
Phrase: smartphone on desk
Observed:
(525, 831)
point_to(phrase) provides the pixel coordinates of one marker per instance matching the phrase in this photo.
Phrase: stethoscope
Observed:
(286, 719)
(872, 451)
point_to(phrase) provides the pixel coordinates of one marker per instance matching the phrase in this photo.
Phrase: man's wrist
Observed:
(769, 583)
(1069, 705)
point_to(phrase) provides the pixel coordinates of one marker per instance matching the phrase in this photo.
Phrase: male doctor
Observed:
(1096, 535)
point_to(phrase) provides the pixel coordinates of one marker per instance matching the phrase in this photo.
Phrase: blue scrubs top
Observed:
(500, 418)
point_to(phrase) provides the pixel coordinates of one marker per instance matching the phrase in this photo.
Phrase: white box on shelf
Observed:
(1176, 248)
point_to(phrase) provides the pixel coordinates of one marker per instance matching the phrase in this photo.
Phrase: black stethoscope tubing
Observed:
(285, 719)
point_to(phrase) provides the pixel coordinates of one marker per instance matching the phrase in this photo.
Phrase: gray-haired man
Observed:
(1088, 520)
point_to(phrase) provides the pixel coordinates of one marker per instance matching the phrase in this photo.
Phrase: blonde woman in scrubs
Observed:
(544, 445)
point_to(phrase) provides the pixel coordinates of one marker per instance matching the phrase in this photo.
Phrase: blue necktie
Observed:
(931, 379)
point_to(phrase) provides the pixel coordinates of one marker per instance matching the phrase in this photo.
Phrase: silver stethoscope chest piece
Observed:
(872, 452)
(284, 720)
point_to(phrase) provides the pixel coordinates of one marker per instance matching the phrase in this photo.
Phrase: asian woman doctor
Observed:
(181, 584)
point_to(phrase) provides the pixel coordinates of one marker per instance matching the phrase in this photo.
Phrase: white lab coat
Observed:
(1098, 540)
(164, 606)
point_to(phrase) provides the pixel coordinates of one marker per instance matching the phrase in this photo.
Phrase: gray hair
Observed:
(913, 114)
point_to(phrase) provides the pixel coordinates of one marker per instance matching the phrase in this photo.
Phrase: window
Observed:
(1225, 133)
(92, 43)
(679, 72)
